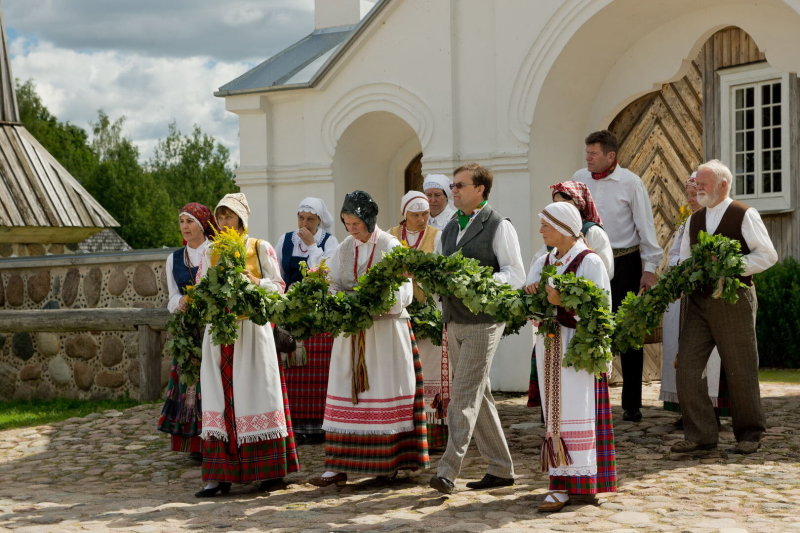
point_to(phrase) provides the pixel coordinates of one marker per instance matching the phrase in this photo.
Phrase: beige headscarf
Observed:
(236, 202)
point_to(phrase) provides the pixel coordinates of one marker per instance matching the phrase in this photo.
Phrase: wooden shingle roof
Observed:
(40, 201)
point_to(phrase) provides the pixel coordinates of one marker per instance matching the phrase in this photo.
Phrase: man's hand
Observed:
(306, 236)
(648, 280)
(553, 296)
(532, 288)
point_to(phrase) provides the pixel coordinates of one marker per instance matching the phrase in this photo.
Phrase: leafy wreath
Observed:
(225, 295)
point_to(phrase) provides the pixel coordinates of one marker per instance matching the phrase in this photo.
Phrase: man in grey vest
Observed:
(478, 232)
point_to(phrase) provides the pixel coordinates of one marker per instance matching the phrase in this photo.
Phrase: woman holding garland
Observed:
(414, 232)
(181, 414)
(578, 451)
(247, 428)
(306, 369)
(374, 415)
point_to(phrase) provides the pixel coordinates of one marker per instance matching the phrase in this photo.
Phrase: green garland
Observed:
(308, 307)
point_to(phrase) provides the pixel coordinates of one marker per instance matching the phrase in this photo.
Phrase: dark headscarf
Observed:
(360, 204)
(202, 215)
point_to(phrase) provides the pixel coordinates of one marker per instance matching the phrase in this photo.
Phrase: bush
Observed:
(778, 320)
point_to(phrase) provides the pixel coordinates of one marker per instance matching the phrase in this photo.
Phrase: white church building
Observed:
(382, 92)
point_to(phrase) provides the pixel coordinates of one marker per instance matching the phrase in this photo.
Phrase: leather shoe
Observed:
(632, 416)
(687, 446)
(223, 487)
(552, 506)
(489, 482)
(272, 484)
(442, 484)
(323, 481)
(747, 446)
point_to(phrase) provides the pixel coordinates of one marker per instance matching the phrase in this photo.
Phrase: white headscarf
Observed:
(236, 202)
(437, 181)
(316, 206)
(414, 201)
(564, 217)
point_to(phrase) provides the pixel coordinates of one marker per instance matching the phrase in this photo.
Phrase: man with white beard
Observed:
(731, 326)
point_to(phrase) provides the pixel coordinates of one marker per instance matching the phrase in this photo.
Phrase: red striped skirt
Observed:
(606, 478)
(307, 385)
(383, 455)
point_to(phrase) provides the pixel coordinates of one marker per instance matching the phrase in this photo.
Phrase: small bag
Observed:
(284, 340)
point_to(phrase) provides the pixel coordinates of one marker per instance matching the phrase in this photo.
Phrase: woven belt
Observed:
(619, 252)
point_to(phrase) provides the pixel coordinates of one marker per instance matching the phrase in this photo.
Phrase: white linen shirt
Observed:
(440, 221)
(196, 258)
(624, 205)
(314, 253)
(505, 246)
(762, 252)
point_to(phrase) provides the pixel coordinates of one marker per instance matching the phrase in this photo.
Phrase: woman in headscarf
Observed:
(306, 369)
(578, 452)
(437, 189)
(247, 430)
(596, 239)
(374, 415)
(414, 232)
(181, 416)
(715, 376)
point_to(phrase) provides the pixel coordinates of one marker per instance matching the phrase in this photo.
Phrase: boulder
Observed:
(69, 291)
(144, 281)
(117, 281)
(84, 375)
(30, 372)
(39, 286)
(22, 345)
(81, 346)
(59, 371)
(15, 290)
(112, 351)
(92, 286)
(111, 380)
(47, 343)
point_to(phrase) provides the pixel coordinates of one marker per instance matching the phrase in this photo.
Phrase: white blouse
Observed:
(196, 257)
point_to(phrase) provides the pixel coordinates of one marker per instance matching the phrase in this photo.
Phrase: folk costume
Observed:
(440, 181)
(435, 367)
(181, 415)
(578, 452)
(247, 427)
(623, 202)
(374, 414)
(306, 369)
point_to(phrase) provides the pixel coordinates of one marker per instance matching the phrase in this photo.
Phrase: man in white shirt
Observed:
(731, 326)
(437, 189)
(477, 231)
(624, 205)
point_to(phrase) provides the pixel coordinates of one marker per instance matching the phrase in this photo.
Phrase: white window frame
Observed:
(730, 80)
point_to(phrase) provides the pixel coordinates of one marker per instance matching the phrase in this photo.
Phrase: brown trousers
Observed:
(732, 328)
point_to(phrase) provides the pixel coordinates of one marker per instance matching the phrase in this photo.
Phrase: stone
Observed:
(52, 304)
(630, 518)
(36, 250)
(144, 281)
(112, 351)
(84, 375)
(8, 381)
(6, 250)
(44, 391)
(23, 392)
(59, 371)
(22, 345)
(92, 285)
(15, 290)
(47, 343)
(81, 346)
(117, 281)
(112, 380)
(69, 291)
(55, 249)
(30, 372)
(39, 286)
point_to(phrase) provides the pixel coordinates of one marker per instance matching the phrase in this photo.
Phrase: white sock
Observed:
(211, 485)
(559, 496)
(329, 474)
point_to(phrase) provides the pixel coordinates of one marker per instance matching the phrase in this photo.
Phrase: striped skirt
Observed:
(181, 415)
(606, 478)
(383, 455)
(534, 397)
(255, 461)
(307, 385)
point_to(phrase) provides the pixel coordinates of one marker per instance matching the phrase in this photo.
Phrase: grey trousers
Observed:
(471, 410)
(732, 327)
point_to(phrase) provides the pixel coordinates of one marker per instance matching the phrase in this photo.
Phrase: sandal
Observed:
(554, 504)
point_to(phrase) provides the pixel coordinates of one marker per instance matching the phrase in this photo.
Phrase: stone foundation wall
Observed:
(78, 364)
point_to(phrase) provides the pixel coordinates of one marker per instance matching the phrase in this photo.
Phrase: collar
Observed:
(611, 176)
(722, 206)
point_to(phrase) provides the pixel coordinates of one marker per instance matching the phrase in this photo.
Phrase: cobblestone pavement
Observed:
(112, 471)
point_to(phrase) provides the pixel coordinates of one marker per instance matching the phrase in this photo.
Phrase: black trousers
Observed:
(627, 276)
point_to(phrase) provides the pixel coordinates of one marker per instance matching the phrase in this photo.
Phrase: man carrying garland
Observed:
(481, 233)
(731, 326)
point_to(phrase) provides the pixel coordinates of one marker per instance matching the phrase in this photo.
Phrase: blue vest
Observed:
(291, 263)
(183, 275)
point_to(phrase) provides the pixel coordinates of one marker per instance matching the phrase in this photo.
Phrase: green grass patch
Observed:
(17, 414)
(779, 376)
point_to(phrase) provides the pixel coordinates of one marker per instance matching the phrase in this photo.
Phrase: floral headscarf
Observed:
(579, 193)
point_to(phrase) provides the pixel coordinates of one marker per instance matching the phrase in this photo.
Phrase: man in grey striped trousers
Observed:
(478, 232)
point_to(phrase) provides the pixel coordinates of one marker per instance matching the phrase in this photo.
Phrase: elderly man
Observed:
(623, 203)
(731, 326)
(478, 231)
(437, 189)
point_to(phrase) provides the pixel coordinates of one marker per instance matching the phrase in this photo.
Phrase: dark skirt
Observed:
(181, 415)
(307, 385)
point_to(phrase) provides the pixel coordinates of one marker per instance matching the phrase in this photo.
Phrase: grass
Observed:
(16, 414)
(779, 376)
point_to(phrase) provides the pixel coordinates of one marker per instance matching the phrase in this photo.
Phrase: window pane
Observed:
(776, 182)
(750, 187)
(776, 137)
(749, 96)
(749, 163)
(739, 185)
(749, 118)
(739, 120)
(738, 98)
(776, 93)
(766, 183)
(765, 94)
(739, 164)
(765, 117)
(765, 138)
(776, 160)
(749, 140)
(776, 115)
(766, 161)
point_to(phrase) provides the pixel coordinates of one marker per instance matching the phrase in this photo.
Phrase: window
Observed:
(755, 128)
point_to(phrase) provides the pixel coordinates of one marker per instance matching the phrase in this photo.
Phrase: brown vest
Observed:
(730, 226)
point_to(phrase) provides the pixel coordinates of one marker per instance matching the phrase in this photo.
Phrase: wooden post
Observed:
(149, 364)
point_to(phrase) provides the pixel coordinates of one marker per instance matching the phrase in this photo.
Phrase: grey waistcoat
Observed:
(476, 243)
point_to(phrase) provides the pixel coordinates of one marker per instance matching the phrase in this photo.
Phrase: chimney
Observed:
(332, 13)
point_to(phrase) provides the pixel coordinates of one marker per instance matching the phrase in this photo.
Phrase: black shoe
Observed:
(272, 484)
(223, 487)
(489, 482)
(442, 484)
(678, 424)
(196, 457)
(632, 416)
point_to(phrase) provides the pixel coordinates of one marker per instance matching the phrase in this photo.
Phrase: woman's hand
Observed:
(306, 236)
(553, 296)
(532, 288)
(249, 275)
(182, 303)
